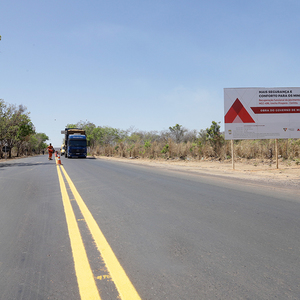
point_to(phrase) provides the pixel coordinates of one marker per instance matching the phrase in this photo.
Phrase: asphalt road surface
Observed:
(96, 229)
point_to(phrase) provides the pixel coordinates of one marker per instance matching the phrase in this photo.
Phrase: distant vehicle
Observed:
(62, 150)
(75, 144)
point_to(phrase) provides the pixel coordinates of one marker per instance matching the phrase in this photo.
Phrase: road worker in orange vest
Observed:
(50, 151)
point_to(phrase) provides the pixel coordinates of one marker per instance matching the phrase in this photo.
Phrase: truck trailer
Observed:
(75, 144)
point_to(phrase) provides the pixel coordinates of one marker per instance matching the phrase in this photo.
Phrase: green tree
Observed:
(112, 136)
(214, 137)
(177, 133)
(90, 133)
(71, 126)
(38, 141)
(2, 120)
(25, 130)
(15, 125)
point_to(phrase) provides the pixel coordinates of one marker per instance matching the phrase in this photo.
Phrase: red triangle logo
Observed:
(238, 114)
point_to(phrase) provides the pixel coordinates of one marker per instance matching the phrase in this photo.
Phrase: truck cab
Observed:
(75, 144)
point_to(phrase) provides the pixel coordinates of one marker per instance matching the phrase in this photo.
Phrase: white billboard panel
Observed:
(262, 113)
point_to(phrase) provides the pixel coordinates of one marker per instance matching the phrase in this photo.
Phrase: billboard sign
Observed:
(262, 113)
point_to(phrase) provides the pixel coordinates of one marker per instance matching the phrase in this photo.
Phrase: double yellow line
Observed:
(85, 278)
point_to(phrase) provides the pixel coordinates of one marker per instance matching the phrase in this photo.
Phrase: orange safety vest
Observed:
(50, 149)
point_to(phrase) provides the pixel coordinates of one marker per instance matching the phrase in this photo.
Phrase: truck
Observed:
(75, 144)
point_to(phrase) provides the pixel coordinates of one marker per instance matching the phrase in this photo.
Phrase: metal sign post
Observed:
(276, 152)
(5, 149)
(232, 154)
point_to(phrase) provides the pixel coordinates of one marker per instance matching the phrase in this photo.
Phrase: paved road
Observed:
(175, 235)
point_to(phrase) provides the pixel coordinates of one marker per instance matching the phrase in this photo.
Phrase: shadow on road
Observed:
(17, 164)
(13, 163)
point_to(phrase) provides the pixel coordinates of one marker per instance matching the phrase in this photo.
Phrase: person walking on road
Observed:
(50, 151)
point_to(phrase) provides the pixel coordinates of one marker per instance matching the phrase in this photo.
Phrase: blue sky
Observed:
(147, 64)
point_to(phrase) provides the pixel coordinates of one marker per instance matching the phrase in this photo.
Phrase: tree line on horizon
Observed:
(179, 142)
(18, 133)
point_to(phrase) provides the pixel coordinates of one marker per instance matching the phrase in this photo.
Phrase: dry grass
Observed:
(246, 149)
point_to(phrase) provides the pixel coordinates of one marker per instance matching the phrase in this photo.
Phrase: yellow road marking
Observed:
(101, 277)
(85, 278)
(117, 273)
